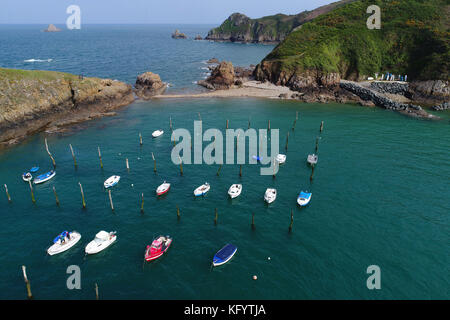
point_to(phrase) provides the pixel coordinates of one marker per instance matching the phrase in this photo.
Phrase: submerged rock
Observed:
(148, 85)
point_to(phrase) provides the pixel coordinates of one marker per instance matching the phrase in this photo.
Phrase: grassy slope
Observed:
(414, 39)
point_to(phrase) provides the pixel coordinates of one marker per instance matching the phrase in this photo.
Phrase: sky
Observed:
(147, 11)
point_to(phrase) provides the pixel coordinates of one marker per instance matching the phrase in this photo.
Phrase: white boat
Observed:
(111, 181)
(63, 242)
(281, 158)
(27, 177)
(270, 195)
(235, 190)
(101, 241)
(44, 177)
(202, 190)
(312, 159)
(157, 133)
(163, 188)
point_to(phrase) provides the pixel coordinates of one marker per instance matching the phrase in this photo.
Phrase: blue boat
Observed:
(44, 177)
(304, 198)
(61, 236)
(224, 255)
(256, 158)
(34, 169)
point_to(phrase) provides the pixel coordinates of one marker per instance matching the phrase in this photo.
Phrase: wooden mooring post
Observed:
(170, 123)
(82, 196)
(287, 141)
(154, 163)
(292, 221)
(218, 171)
(181, 166)
(321, 126)
(100, 157)
(178, 212)
(51, 157)
(227, 123)
(127, 164)
(73, 156)
(110, 200)
(240, 170)
(268, 126)
(56, 196)
(140, 139)
(96, 291)
(32, 193)
(317, 144)
(27, 283)
(142, 202)
(7, 193)
(216, 217)
(312, 173)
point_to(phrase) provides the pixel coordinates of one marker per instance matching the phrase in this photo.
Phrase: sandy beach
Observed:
(249, 89)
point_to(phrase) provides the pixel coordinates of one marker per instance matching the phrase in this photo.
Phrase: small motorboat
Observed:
(270, 195)
(158, 247)
(202, 190)
(101, 241)
(27, 176)
(111, 181)
(281, 158)
(235, 190)
(224, 255)
(34, 169)
(163, 188)
(44, 177)
(304, 198)
(257, 158)
(64, 241)
(312, 159)
(157, 133)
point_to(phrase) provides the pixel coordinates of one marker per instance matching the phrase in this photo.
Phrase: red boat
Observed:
(162, 189)
(158, 247)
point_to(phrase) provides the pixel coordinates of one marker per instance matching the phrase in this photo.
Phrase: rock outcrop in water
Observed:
(222, 77)
(148, 85)
(32, 101)
(52, 28)
(178, 35)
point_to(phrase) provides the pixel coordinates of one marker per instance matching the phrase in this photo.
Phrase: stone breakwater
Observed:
(441, 107)
(378, 99)
(401, 88)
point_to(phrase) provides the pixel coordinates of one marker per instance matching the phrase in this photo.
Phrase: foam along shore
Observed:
(250, 88)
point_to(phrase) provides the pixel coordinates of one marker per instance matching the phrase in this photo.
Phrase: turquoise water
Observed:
(380, 197)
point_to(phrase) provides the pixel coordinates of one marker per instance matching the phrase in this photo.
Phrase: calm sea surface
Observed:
(380, 189)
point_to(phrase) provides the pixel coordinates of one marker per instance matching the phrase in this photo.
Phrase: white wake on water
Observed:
(38, 60)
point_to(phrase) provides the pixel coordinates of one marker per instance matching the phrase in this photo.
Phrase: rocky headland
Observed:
(270, 29)
(33, 101)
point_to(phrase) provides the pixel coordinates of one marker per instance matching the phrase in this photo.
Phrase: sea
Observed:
(377, 226)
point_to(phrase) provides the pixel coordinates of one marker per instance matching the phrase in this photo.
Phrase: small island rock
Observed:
(52, 28)
(149, 84)
(178, 35)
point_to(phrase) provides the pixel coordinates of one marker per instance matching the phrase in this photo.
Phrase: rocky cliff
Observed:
(413, 40)
(270, 29)
(31, 101)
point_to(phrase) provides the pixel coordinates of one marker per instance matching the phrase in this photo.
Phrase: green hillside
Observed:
(413, 40)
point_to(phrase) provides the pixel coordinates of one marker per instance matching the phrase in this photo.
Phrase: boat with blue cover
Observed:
(64, 241)
(224, 255)
(304, 198)
(44, 177)
(34, 169)
(257, 158)
(26, 176)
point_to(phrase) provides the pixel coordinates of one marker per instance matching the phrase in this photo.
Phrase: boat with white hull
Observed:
(157, 133)
(304, 198)
(101, 241)
(163, 188)
(44, 177)
(202, 190)
(64, 241)
(235, 190)
(281, 158)
(111, 181)
(270, 195)
(312, 159)
(27, 176)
